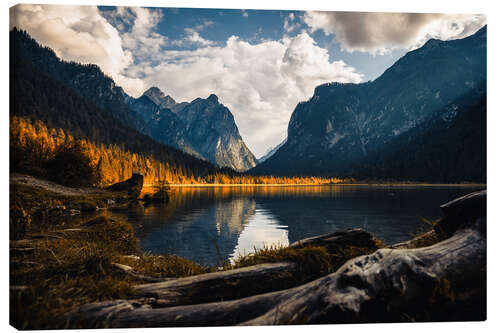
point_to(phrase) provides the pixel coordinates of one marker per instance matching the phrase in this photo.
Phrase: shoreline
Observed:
(339, 184)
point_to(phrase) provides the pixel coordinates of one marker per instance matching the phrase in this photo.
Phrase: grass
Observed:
(312, 261)
(69, 269)
(33, 209)
(164, 265)
(428, 236)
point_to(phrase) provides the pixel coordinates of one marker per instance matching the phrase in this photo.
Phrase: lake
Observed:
(212, 224)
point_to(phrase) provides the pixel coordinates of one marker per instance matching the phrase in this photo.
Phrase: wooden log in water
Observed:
(219, 286)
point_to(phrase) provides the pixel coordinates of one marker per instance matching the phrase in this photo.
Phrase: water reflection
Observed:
(262, 229)
(210, 225)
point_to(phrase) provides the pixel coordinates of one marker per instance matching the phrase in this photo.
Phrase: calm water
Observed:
(213, 224)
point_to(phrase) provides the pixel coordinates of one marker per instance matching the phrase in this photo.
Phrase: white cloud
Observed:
(260, 83)
(380, 33)
(141, 39)
(288, 23)
(194, 37)
(77, 33)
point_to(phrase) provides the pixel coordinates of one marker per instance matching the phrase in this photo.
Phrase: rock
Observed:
(133, 185)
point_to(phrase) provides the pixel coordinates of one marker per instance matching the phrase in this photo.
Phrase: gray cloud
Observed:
(379, 33)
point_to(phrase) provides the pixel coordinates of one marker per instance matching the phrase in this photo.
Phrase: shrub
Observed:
(72, 166)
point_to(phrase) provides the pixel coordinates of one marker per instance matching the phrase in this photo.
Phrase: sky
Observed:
(260, 63)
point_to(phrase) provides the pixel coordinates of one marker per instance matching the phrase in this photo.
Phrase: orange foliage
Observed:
(116, 164)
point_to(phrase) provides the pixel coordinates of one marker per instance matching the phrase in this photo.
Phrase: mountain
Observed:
(159, 98)
(203, 127)
(449, 147)
(271, 152)
(161, 123)
(345, 125)
(212, 131)
(87, 80)
(151, 114)
(41, 90)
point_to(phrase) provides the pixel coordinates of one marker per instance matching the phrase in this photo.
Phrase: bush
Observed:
(72, 166)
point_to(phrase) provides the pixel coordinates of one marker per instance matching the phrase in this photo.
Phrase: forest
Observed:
(55, 154)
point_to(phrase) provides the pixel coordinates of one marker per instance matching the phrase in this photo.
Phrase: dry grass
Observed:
(313, 261)
(164, 266)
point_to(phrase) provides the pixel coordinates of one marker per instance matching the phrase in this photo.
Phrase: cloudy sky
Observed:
(259, 63)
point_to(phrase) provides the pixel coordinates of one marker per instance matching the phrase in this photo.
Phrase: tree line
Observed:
(57, 155)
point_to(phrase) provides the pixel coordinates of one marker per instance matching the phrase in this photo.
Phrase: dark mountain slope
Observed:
(38, 96)
(87, 80)
(450, 147)
(342, 124)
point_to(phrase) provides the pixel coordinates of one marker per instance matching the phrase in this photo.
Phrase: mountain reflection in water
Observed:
(213, 224)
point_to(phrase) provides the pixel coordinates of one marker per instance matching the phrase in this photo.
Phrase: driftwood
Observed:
(220, 286)
(332, 242)
(461, 212)
(129, 270)
(445, 281)
(248, 281)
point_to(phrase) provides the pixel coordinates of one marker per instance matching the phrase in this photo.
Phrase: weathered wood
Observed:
(352, 237)
(471, 205)
(248, 281)
(219, 286)
(462, 211)
(388, 285)
(130, 271)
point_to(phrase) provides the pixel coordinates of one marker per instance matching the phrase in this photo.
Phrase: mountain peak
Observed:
(159, 97)
(154, 91)
(213, 98)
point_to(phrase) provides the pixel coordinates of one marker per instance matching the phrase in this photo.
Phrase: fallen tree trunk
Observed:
(334, 241)
(248, 281)
(220, 286)
(445, 281)
(386, 286)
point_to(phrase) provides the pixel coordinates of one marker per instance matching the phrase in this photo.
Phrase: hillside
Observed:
(343, 126)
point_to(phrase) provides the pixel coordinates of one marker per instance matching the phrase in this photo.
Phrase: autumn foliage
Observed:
(54, 154)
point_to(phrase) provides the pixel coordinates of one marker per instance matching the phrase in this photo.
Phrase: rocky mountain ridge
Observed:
(203, 127)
